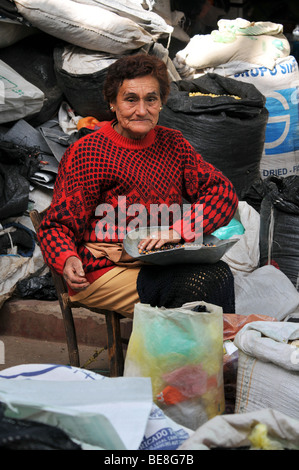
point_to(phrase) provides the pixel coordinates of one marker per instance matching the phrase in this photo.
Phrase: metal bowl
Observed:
(186, 253)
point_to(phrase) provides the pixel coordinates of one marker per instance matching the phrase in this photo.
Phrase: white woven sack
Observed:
(163, 8)
(84, 25)
(265, 291)
(78, 61)
(151, 21)
(203, 51)
(18, 97)
(268, 368)
(280, 86)
(10, 33)
(260, 43)
(234, 430)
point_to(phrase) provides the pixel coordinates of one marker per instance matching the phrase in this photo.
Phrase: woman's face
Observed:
(137, 106)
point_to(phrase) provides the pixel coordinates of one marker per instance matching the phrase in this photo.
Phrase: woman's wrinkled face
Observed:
(137, 106)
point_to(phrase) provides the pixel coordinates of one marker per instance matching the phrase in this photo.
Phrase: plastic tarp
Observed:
(279, 229)
(119, 410)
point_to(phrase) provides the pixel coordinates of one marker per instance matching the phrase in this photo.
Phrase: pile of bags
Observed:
(234, 97)
(53, 62)
(204, 364)
(256, 53)
(106, 28)
(174, 393)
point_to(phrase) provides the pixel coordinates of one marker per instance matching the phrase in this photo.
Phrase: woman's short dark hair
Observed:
(133, 66)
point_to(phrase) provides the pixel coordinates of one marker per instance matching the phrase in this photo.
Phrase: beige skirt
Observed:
(115, 290)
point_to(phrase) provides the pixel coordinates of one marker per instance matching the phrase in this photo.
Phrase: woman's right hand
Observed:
(74, 274)
(158, 239)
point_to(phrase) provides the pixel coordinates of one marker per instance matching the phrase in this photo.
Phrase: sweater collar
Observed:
(121, 141)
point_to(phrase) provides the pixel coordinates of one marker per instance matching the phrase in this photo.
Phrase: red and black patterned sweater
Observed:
(103, 166)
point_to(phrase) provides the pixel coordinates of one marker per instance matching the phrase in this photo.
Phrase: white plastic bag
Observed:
(244, 256)
(160, 433)
(67, 119)
(265, 291)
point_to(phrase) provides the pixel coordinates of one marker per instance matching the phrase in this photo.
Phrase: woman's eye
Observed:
(151, 100)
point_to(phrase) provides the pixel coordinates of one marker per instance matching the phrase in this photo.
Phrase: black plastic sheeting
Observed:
(33, 59)
(279, 226)
(17, 165)
(21, 434)
(84, 92)
(227, 132)
(39, 287)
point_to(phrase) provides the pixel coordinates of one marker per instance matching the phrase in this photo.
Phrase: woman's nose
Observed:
(141, 107)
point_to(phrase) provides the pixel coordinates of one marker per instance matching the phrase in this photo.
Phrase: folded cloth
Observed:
(113, 251)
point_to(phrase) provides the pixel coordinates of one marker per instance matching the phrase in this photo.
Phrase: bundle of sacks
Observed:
(259, 43)
(257, 53)
(98, 25)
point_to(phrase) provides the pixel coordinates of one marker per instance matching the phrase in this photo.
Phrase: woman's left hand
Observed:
(159, 238)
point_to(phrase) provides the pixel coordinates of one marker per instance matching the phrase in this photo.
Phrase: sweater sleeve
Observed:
(65, 222)
(212, 196)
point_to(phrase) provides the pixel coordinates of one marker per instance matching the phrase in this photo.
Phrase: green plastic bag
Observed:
(181, 350)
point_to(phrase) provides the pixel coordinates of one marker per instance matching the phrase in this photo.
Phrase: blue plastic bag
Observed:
(233, 228)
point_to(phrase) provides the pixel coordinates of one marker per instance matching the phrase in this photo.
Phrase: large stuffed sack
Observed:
(85, 24)
(225, 121)
(260, 43)
(11, 32)
(81, 74)
(268, 367)
(148, 19)
(18, 97)
(280, 86)
(36, 51)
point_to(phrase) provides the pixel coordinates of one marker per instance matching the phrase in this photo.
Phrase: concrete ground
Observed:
(18, 350)
(32, 332)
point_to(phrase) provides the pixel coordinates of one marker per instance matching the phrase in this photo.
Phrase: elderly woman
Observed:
(132, 160)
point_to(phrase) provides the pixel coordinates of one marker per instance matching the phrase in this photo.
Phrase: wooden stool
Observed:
(114, 339)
